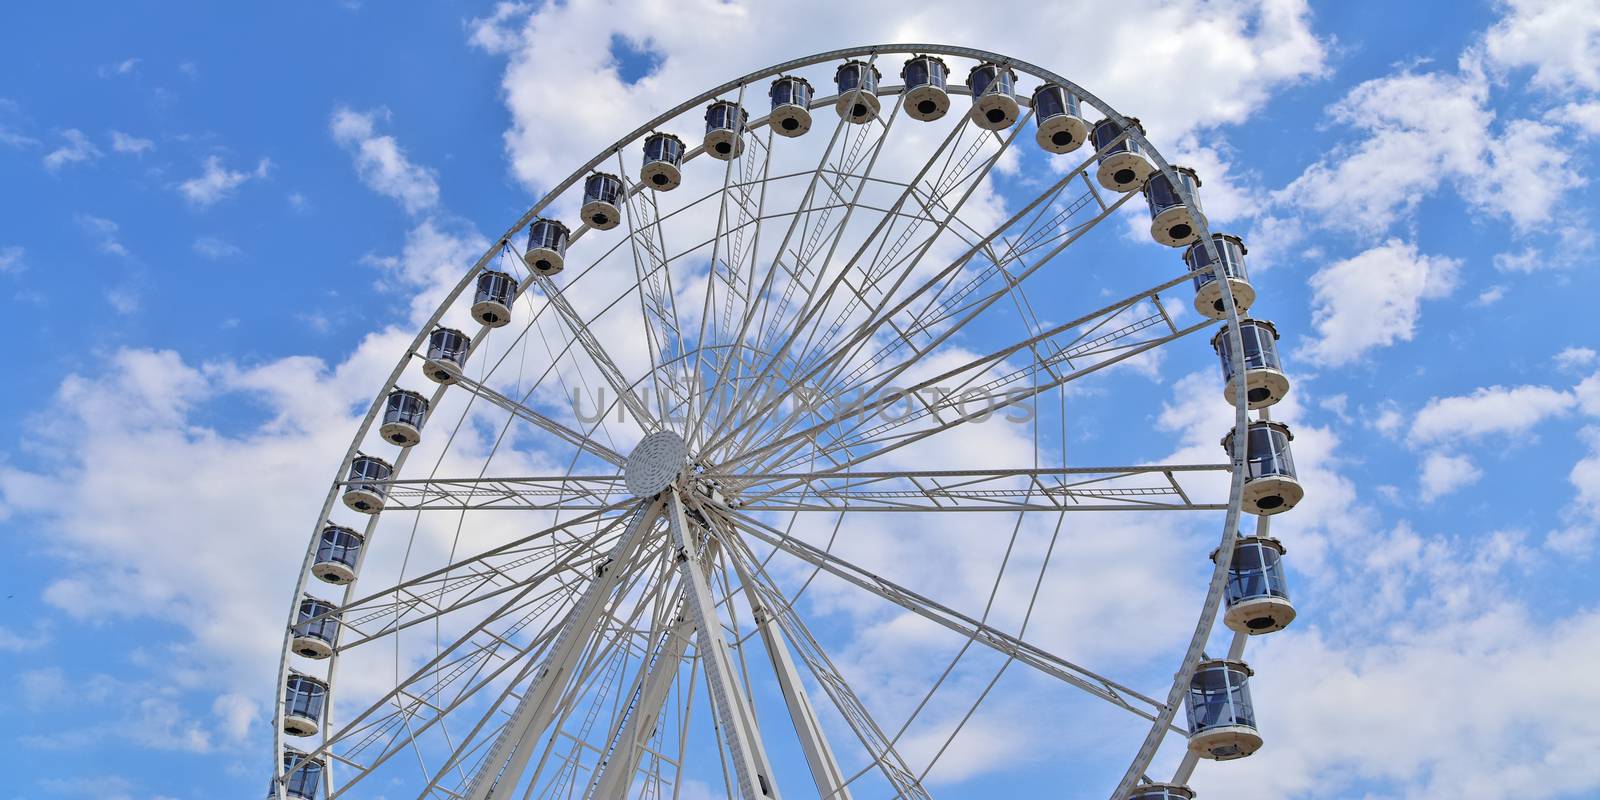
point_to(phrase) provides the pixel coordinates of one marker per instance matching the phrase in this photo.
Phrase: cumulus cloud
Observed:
(1584, 117)
(498, 32)
(1422, 130)
(1573, 358)
(77, 149)
(381, 162)
(216, 182)
(1373, 299)
(1558, 39)
(1443, 474)
(1493, 410)
(1242, 50)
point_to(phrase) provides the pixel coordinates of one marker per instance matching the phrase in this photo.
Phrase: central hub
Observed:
(655, 463)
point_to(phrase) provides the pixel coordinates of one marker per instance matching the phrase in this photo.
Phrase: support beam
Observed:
(819, 756)
(735, 716)
(617, 773)
(509, 755)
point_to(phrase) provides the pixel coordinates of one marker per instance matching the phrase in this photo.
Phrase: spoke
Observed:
(385, 731)
(936, 284)
(587, 493)
(653, 282)
(562, 432)
(1000, 641)
(496, 568)
(774, 607)
(1045, 489)
(997, 393)
(579, 330)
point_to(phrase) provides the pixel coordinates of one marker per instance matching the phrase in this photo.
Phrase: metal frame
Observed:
(759, 466)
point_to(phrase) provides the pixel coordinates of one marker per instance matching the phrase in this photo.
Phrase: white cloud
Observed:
(216, 182)
(497, 33)
(1373, 300)
(1420, 130)
(1588, 395)
(1443, 474)
(1416, 129)
(1575, 358)
(124, 67)
(1490, 296)
(1526, 260)
(14, 642)
(123, 300)
(10, 136)
(11, 260)
(1559, 39)
(1526, 174)
(214, 248)
(382, 163)
(78, 149)
(104, 233)
(1241, 50)
(1406, 715)
(127, 143)
(1585, 117)
(1492, 410)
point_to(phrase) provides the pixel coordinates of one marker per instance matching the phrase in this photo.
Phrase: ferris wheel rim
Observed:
(1210, 605)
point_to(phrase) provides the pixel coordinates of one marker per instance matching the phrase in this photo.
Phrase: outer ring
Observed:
(1209, 608)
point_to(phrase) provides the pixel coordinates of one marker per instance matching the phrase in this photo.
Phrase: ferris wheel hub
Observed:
(656, 463)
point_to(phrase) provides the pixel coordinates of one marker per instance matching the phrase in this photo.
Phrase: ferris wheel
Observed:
(596, 531)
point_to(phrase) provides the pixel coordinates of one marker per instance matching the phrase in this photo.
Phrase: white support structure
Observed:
(617, 773)
(824, 767)
(536, 709)
(735, 717)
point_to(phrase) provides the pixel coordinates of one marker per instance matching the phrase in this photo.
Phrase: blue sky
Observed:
(219, 219)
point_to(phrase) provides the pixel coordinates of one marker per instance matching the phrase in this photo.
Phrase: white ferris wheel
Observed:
(651, 430)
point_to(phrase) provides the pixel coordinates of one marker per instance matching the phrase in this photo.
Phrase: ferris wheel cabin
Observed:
(1264, 381)
(602, 194)
(925, 80)
(994, 106)
(316, 629)
(447, 355)
(1222, 721)
(1057, 111)
(491, 302)
(1174, 222)
(791, 105)
(1123, 164)
(1161, 791)
(858, 91)
(364, 490)
(403, 413)
(304, 698)
(663, 161)
(1207, 289)
(1258, 594)
(302, 776)
(547, 246)
(1270, 485)
(338, 552)
(725, 124)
